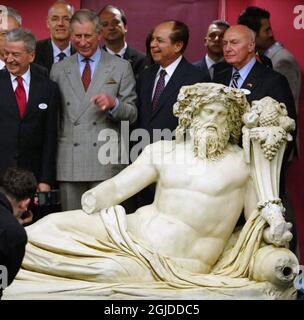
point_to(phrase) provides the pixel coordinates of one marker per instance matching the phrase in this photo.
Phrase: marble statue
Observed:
(185, 245)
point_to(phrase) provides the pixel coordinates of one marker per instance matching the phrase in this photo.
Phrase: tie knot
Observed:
(19, 80)
(86, 60)
(236, 75)
(61, 56)
(162, 73)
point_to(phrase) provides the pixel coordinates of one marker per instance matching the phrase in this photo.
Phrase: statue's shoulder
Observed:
(163, 146)
(236, 152)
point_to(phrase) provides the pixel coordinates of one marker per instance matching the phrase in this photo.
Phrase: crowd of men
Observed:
(58, 94)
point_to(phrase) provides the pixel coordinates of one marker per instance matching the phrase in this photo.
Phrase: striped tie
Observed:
(235, 77)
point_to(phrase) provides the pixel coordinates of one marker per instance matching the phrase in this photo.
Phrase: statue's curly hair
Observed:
(192, 98)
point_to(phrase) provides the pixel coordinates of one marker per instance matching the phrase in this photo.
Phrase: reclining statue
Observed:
(186, 243)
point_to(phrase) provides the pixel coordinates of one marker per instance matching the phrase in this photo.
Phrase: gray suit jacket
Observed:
(285, 63)
(82, 138)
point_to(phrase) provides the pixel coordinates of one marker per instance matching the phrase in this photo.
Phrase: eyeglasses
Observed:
(214, 35)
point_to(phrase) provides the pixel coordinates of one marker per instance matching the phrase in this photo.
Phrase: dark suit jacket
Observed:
(12, 240)
(263, 81)
(136, 59)
(44, 53)
(162, 117)
(29, 142)
(218, 67)
(202, 65)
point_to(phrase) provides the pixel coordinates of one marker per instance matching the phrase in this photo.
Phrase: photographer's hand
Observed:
(43, 187)
(28, 218)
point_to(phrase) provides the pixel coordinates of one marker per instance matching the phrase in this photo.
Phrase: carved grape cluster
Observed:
(270, 119)
(270, 150)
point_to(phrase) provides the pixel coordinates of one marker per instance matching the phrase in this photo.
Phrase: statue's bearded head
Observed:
(210, 131)
(213, 113)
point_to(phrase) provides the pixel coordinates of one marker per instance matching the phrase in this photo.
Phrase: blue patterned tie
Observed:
(235, 77)
(159, 88)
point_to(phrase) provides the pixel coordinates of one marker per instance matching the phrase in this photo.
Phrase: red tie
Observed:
(86, 74)
(20, 96)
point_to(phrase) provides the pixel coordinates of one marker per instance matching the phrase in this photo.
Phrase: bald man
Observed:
(257, 81)
(58, 46)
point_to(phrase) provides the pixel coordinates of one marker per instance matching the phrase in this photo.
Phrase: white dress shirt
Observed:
(26, 82)
(169, 72)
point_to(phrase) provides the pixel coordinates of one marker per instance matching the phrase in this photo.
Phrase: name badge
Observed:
(43, 106)
(246, 91)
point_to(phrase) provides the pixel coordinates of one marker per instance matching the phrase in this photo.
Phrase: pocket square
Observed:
(111, 81)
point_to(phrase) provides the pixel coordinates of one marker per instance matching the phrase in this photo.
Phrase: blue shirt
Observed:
(244, 72)
(94, 60)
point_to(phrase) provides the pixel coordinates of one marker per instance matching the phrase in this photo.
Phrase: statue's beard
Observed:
(210, 140)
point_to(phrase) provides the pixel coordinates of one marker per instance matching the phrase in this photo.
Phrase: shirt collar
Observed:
(121, 52)
(209, 62)
(272, 48)
(56, 50)
(2, 64)
(26, 77)
(94, 58)
(246, 69)
(171, 67)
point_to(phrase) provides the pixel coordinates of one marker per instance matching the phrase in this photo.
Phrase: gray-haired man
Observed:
(28, 117)
(98, 91)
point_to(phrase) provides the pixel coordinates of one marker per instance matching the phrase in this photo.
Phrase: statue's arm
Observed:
(128, 182)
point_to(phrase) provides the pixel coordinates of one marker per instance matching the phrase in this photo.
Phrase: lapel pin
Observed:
(250, 85)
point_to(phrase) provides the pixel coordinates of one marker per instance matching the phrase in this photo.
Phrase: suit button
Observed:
(94, 123)
(94, 144)
(76, 123)
(68, 103)
(76, 144)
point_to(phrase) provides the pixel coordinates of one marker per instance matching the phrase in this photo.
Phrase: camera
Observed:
(45, 199)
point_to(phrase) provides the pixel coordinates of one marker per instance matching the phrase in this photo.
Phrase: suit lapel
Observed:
(49, 58)
(223, 76)
(10, 98)
(33, 92)
(253, 79)
(172, 86)
(102, 71)
(72, 73)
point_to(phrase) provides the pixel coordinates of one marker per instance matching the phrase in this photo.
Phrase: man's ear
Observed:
(178, 46)
(205, 41)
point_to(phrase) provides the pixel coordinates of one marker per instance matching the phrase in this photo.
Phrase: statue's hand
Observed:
(278, 231)
(278, 234)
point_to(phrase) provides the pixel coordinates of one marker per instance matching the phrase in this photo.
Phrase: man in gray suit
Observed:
(282, 60)
(98, 92)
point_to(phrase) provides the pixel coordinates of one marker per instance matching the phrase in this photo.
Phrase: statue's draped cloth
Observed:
(65, 251)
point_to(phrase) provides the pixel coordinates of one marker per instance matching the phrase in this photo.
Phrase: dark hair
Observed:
(221, 23)
(110, 7)
(252, 16)
(180, 32)
(19, 183)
